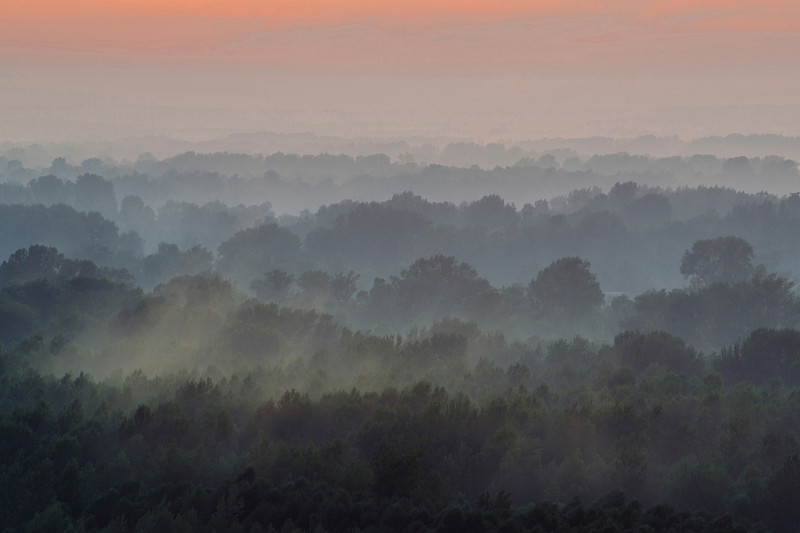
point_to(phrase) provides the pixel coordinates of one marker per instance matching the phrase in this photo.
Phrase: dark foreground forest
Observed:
(623, 357)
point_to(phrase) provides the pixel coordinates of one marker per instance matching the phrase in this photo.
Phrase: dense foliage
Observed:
(188, 452)
(625, 360)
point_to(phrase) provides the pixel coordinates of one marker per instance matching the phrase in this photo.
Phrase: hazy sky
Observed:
(483, 70)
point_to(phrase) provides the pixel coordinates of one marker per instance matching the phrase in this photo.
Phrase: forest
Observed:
(489, 339)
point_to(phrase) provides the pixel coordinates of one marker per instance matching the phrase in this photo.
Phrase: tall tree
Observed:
(721, 260)
(566, 288)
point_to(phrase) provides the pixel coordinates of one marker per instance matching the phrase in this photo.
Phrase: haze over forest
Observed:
(399, 266)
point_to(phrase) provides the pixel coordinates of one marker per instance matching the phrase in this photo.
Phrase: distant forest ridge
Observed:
(458, 152)
(457, 173)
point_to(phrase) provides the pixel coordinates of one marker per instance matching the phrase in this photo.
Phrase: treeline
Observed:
(490, 453)
(42, 291)
(633, 235)
(177, 221)
(194, 321)
(408, 168)
(79, 316)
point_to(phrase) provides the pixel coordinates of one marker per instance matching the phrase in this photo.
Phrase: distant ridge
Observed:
(41, 154)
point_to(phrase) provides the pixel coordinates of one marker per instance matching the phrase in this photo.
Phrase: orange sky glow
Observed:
(364, 58)
(286, 10)
(291, 32)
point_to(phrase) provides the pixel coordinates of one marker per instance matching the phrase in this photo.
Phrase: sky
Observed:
(468, 69)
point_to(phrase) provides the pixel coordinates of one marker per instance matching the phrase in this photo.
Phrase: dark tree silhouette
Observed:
(566, 288)
(721, 260)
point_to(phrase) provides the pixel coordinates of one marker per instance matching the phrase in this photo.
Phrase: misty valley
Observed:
(460, 339)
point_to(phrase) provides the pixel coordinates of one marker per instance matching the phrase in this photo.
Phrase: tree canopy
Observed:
(566, 288)
(720, 260)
